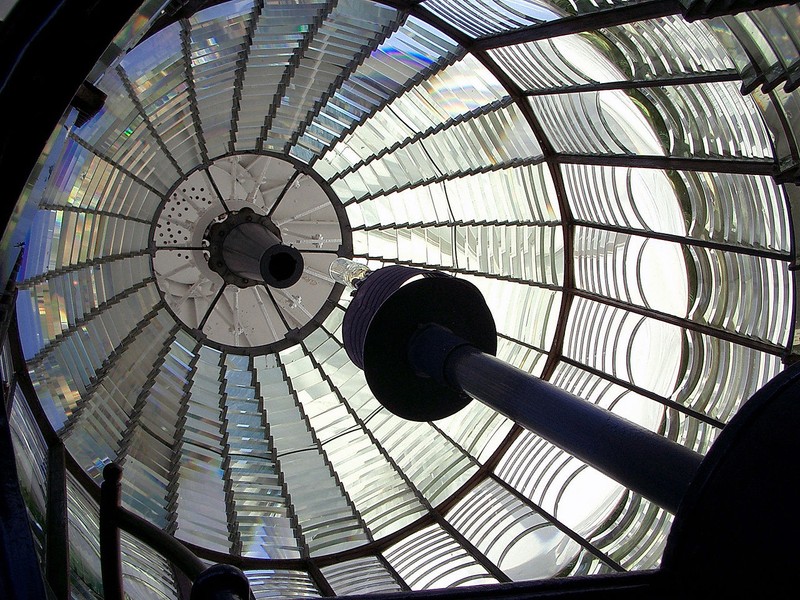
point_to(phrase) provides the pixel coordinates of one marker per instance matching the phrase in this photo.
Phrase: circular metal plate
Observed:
(452, 303)
(310, 219)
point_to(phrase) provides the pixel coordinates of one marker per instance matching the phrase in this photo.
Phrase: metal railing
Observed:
(24, 575)
(218, 582)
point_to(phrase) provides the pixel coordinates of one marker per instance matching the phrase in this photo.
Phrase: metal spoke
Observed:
(217, 193)
(211, 307)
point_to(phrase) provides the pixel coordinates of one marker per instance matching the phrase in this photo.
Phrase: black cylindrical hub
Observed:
(253, 252)
(246, 249)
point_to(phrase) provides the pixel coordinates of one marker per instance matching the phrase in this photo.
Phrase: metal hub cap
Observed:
(241, 251)
(246, 249)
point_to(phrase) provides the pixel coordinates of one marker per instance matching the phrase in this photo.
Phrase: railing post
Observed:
(8, 301)
(110, 552)
(56, 540)
(20, 571)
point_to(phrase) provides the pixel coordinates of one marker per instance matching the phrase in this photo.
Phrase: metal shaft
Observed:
(645, 462)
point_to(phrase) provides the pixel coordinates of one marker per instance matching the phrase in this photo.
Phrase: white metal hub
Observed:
(308, 218)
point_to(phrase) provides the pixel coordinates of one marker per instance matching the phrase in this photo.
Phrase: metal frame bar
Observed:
(241, 68)
(31, 281)
(380, 37)
(454, 223)
(716, 77)
(91, 211)
(590, 21)
(709, 244)
(134, 97)
(740, 166)
(186, 48)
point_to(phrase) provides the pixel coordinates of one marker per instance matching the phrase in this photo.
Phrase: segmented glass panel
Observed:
(519, 540)
(705, 373)
(31, 458)
(277, 40)
(506, 142)
(326, 515)
(150, 435)
(201, 499)
(263, 510)
(349, 33)
(381, 495)
(430, 463)
(414, 51)
(163, 95)
(430, 558)
(93, 431)
(650, 50)
(217, 41)
(281, 584)
(367, 575)
(484, 17)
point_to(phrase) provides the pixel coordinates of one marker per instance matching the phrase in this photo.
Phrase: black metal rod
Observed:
(57, 537)
(643, 461)
(110, 551)
(650, 464)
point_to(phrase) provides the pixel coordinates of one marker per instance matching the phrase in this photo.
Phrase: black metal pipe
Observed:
(244, 247)
(110, 551)
(643, 461)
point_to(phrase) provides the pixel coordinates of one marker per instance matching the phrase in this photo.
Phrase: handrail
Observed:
(218, 582)
(20, 572)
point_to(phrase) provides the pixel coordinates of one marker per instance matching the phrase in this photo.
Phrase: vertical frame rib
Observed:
(146, 119)
(186, 47)
(241, 68)
(291, 66)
